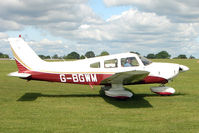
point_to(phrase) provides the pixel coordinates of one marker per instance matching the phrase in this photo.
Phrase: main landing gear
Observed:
(117, 91)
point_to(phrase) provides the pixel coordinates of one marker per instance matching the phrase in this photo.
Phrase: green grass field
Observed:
(60, 108)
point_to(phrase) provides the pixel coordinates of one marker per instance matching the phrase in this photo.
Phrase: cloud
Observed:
(3, 35)
(140, 31)
(61, 18)
(176, 10)
(7, 25)
(4, 45)
(46, 42)
(149, 27)
(47, 14)
(48, 47)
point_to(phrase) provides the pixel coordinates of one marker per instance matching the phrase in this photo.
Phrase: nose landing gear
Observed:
(163, 90)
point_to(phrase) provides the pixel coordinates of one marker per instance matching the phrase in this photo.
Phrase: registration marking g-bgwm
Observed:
(79, 78)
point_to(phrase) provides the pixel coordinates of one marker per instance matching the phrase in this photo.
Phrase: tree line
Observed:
(90, 54)
(166, 55)
(75, 55)
(3, 55)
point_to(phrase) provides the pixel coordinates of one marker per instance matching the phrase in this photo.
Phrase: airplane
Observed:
(111, 71)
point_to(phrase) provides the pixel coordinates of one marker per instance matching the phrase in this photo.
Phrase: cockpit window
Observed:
(110, 63)
(145, 61)
(129, 62)
(95, 65)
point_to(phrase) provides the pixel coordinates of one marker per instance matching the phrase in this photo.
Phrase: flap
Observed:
(128, 77)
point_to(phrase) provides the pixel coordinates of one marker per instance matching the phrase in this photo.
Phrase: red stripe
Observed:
(70, 78)
(81, 78)
(21, 68)
(163, 93)
(153, 79)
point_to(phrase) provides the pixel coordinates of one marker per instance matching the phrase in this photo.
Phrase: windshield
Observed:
(145, 61)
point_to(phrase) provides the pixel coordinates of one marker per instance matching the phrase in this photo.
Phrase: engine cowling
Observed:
(163, 90)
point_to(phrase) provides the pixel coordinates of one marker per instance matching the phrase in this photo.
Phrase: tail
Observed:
(25, 57)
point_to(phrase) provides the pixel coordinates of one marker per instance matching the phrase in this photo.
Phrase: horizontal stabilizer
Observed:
(20, 75)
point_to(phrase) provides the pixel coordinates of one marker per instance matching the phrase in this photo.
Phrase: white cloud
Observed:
(47, 13)
(46, 42)
(48, 47)
(4, 45)
(141, 31)
(176, 10)
(152, 27)
(7, 25)
(3, 35)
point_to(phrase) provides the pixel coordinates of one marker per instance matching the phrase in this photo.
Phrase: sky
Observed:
(117, 26)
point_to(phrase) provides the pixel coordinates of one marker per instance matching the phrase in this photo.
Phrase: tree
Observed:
(55, 56)
(191, 57)
(82, 57)
(150, 56)
(163, 55)
(3, 55)
(182, 56)
(72, 55)
(90, 54)
(103, 53)
(48, 57)
(44, 57)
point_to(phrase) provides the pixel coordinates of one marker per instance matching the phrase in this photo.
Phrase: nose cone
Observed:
(183, 68)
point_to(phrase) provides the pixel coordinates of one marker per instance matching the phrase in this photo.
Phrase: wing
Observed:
(127, 77)
(20, 75)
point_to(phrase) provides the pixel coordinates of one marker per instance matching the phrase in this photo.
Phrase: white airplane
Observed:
(112, 71)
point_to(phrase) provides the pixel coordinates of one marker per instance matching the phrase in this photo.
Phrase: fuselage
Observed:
(94, 70)
(127, 68)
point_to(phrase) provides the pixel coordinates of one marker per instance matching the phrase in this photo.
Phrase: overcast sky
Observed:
(117, 26)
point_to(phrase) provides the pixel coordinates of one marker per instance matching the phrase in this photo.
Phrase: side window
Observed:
(95, 65)
(129, 62)
(110, 63)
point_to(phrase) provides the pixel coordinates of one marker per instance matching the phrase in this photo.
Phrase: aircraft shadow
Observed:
(34, 96)
(137, 101)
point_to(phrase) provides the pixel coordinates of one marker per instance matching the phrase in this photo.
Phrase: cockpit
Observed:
(128, 61)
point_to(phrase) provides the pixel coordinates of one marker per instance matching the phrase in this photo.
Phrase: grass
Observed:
(59, 108)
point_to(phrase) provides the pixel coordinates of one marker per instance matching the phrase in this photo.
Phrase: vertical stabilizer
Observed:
(25, 57)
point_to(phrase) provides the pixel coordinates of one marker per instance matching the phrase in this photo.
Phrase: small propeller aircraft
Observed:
(112, 71)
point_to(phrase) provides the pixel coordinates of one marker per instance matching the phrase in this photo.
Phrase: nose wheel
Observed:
(163, 90)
